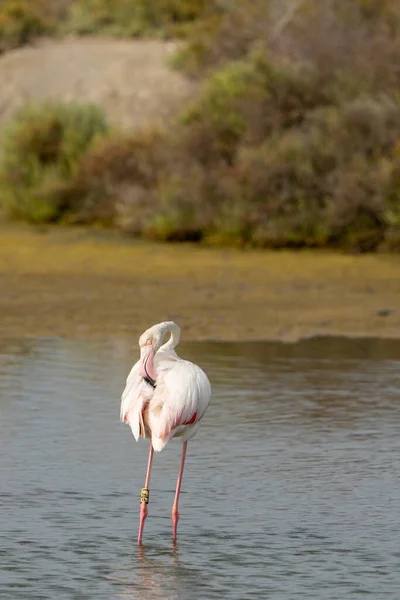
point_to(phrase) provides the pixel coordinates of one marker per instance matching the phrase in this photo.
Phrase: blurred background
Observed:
(264, 123)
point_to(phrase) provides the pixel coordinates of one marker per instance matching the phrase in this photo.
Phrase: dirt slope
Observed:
(130, 79)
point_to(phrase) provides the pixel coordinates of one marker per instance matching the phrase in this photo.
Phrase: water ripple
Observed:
(290, 488)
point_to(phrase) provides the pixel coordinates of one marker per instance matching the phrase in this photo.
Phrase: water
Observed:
(291, 488)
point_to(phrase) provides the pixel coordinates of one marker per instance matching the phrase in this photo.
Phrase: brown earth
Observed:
(129, 79)
(75, 283)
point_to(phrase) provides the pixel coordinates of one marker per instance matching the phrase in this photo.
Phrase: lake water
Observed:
(291, 487)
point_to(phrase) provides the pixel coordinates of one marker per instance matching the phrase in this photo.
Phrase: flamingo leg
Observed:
(175, 512)
(144, 496)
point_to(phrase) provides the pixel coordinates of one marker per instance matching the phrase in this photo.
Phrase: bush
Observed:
(41, 150)
(21, 21)
(131, 18)
(247, 101)
(143, 184)
(329, 181)
(219, 110)
(352, 46)
(293, 139)
(227, 34)
(114, 181)
(354, 212)
(139, 182)
(182, 211)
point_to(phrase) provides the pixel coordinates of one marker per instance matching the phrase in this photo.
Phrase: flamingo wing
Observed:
(133, 401)
(181, 398)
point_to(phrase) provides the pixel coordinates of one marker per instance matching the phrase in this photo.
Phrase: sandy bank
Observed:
(129, 79)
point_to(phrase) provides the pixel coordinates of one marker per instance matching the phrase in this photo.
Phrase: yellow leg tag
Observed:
(144, 495)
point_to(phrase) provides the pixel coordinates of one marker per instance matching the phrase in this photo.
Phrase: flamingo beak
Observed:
(147, 368)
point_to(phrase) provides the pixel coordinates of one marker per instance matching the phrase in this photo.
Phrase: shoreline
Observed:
(79, 283)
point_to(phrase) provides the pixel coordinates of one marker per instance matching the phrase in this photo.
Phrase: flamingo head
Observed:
(150, 342)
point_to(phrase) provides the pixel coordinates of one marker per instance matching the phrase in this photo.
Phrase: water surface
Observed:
(291, 487)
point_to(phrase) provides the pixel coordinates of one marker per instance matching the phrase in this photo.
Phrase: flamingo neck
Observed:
(173, 340)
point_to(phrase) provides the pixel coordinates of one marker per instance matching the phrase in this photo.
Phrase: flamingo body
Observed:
(173, 408)
(164, 397)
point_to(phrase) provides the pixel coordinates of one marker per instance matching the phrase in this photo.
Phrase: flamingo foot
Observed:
(175, 519)
(144, 511)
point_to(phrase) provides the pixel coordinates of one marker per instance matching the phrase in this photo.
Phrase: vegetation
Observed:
(21, 21)
(293, 139)
(41, 152)
(124, 18)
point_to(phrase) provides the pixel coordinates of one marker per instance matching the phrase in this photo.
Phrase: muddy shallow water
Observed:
(290, 488)
(61, 282)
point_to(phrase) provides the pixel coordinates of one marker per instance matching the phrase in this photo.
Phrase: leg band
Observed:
(144, 495)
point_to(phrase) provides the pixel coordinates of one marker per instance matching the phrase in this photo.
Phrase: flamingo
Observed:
(164, 397)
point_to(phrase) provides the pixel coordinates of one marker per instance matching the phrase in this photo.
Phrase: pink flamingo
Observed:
(165, 397)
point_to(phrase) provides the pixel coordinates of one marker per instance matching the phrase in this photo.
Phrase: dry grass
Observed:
(74, 283)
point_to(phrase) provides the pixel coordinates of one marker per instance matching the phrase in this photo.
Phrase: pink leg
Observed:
(175, 512)
(144, 496)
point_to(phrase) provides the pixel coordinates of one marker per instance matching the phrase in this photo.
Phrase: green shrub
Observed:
(143, 184)
(23, 20)
(293, 139)
(199, 38)
(114, 181)
(173, 226)
(247, 101)
(354, 212)
(329, 181)
(278, 196)
(352, 46)
(180, 214)
(391, 214)
(218, 110)
(139, 183)
(132, 18)
(229, 33)
(41, 150)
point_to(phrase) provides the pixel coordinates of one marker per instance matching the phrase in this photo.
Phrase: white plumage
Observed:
(182, 394)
